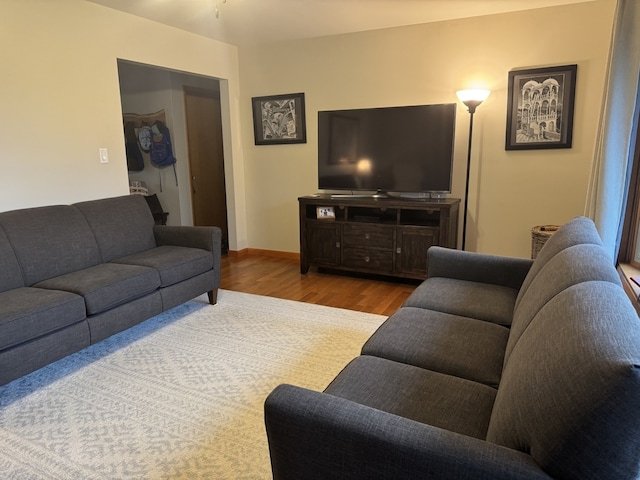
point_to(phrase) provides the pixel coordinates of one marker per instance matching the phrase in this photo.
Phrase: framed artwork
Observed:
(279, 119)
(540, 108)
(325, 213)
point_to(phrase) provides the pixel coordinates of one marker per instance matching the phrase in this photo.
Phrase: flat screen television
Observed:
(406, 149)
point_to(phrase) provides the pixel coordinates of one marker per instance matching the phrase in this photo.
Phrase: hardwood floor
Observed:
(281, 278)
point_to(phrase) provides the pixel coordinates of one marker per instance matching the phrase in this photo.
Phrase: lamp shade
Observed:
(477, 95)
(473, 98)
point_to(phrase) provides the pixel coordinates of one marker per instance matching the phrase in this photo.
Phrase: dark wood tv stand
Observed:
(383, 236)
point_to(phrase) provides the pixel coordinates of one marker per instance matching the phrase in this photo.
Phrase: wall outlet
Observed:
(104, 155)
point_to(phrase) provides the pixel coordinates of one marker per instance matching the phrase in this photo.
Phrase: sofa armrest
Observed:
(317, 436)
(206, 238)
(477, 267)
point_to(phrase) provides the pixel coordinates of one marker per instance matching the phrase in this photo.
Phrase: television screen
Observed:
(392, 149)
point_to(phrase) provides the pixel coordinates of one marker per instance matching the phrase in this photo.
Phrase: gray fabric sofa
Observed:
(73, 275)
(494, 368)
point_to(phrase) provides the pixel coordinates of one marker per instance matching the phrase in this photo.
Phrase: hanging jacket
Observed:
(135, 161)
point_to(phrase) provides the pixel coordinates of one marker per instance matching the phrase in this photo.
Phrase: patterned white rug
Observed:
(179, 396)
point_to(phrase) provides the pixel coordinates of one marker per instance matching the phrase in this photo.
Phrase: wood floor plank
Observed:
(281, 278)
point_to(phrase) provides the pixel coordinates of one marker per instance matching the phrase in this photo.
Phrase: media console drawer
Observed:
(377, 261)
(355, 235)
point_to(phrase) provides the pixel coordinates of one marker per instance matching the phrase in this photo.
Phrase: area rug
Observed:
(179, 396)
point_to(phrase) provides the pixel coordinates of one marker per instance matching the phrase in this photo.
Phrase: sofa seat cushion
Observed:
(445, 343)
(173, 263)
(107, 285)
(484, 301)
(28, 313)
(573, 405)
(427, 397)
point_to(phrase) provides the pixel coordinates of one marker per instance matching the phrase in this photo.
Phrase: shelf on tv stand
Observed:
(377, 235)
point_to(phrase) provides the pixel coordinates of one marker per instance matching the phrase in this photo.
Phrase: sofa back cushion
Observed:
(576, 231)
(49, 241)
(575, 264)
(11, 276)
(570, 391)
(122, 225)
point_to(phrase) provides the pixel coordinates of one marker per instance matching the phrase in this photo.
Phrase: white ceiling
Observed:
(252, 22)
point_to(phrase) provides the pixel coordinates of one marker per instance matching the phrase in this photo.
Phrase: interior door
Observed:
(206, 159)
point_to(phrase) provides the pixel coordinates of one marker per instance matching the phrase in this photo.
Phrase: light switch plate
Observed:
(104, 155)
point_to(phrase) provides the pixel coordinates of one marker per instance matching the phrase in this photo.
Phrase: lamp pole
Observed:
(471, 98)
(472, 110)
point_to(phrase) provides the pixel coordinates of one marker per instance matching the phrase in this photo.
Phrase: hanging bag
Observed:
(162, 150)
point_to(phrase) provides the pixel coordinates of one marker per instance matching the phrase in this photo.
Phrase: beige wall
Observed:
(510, 191)
(60, 99)
(60, 103)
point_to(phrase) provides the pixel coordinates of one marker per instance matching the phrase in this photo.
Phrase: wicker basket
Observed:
(539, 236)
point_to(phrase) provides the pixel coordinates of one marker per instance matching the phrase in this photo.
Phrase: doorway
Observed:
(146, 89)
(203, 116)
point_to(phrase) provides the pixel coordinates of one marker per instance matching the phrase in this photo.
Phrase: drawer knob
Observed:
(366, 236)
(337, 244)
(366, 259)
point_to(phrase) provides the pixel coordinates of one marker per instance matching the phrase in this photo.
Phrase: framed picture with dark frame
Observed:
(279, 119)
(325, 213)
(540, 108)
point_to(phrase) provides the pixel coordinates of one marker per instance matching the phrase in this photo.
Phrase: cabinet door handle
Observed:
(398, 250)
(366, 236)
(337, 244)
(366, 259)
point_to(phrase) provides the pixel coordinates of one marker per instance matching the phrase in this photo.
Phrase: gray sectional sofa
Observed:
(494, 368)
(73, 275)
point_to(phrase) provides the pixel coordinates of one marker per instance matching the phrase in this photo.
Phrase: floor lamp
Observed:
(471, 98)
